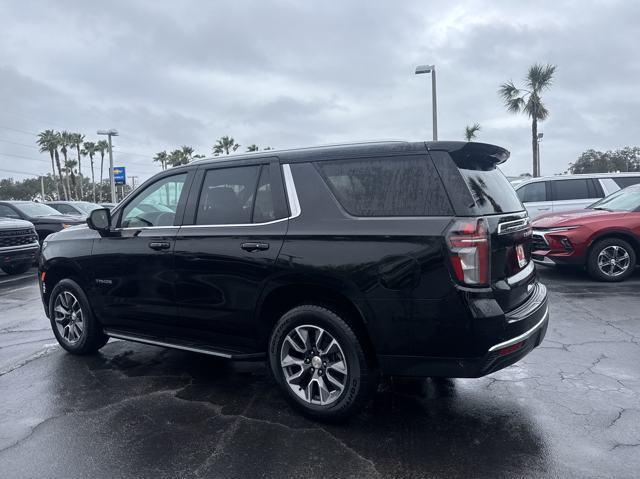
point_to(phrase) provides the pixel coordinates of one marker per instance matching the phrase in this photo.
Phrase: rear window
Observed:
(394, 186)
(491, 190)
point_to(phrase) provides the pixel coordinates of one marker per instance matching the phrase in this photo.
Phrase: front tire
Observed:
(611, 259)
(320, 364)
(18, 268)
(73, 323)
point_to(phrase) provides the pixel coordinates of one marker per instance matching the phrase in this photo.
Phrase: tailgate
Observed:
(512, 270)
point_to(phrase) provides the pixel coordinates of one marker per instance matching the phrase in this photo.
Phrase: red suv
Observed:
(605, 237)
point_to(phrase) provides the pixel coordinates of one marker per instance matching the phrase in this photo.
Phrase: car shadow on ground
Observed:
(214, 416)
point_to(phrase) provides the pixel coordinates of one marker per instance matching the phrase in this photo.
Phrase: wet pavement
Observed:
(569, 409)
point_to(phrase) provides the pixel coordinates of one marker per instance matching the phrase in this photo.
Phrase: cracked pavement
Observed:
(569, 409)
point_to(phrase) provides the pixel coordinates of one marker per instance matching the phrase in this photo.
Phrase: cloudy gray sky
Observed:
(298, 73)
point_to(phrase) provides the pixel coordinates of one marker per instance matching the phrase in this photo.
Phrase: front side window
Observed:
(156, 205)
(571, 190)
(533, 192)
(396, 186)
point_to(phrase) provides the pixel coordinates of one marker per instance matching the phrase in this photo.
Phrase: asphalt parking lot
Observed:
(569, 409)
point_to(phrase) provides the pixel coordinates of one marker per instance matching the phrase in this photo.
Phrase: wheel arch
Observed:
(627, 236)
(58, 269)
(280, 299)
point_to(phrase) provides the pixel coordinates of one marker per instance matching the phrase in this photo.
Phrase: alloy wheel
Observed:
(613, 261)
(68, 316)
(314, 365)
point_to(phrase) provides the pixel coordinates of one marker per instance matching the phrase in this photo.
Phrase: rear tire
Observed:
(611, 259)
(18, 268)
(320, 364)
(73, 323)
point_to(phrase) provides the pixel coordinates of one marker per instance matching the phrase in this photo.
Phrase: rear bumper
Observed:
(500, 354)
(19, 254)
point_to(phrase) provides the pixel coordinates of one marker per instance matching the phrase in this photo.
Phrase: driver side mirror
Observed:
(100, 220)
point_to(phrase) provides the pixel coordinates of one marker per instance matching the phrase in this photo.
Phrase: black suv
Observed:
(336, 264)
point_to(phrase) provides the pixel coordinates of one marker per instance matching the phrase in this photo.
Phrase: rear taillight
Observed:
(468, 242)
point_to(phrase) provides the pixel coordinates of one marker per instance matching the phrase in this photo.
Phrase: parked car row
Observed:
(569, 192)
(604, 237)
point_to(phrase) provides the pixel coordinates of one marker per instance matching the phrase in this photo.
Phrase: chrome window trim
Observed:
(292, 195)
(523, 336)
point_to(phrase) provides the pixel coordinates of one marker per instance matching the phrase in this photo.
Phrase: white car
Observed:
(570, 192)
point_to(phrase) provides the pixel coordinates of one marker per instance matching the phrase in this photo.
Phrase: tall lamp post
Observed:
(539, 139)
(434, 107)
(112, 181)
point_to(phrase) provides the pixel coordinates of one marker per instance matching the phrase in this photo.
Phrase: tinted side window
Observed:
(571, 190)
(264, 207)
(625, 181)
(156, 205)
(65, 209)
(533, 192)
(6, 212)
(227, 196)
(395, 186)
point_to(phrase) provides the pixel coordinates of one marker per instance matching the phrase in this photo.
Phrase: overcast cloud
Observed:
(287, 73)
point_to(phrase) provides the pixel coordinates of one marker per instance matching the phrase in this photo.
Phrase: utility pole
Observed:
(109, 134)
(434, 105)
(42, 187)
(133, 182)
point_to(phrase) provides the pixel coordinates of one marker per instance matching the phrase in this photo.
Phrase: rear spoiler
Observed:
(471, 155)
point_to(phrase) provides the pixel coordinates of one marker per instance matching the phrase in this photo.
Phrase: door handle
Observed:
(254, 246)
(159, 245)
(544, 209)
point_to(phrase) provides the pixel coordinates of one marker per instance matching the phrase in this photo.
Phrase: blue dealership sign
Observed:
(119, 175)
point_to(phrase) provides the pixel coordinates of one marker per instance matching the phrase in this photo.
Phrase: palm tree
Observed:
(64, 141)
(527, 100)
(69, 165)
(252, 147)
(225, 145)
(47, 141)
(470, 132)
(102, 146)
(75, 141)
(187, 154)
(162, 157)
(90, 150)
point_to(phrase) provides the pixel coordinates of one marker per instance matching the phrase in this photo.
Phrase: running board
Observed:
(194, 349)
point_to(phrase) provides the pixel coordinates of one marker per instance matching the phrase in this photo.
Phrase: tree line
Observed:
(185, 154)
(68, 181)
(612, 161)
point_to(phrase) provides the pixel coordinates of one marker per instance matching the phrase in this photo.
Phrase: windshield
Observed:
(87, 207)
(623, 200)
(36, 209)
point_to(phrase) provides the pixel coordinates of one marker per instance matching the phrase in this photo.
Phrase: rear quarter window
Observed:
(624, 181)
(390, 186)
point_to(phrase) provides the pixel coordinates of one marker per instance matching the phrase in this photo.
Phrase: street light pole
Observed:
(434, 103)
(538, 139)
(112, 181)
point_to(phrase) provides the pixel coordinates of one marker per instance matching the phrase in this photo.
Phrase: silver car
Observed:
(570, 192)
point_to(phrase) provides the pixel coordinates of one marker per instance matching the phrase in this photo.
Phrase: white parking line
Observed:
(5, 292)
(18, 278)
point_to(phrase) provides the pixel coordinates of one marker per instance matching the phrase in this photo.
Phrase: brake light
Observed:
(468, 242)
